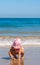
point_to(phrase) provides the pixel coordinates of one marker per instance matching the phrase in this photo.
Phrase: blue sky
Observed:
(20, 8)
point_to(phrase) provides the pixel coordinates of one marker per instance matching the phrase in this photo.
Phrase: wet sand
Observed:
(32, 56)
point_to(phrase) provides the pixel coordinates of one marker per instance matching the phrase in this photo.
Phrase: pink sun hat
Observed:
(17, 43)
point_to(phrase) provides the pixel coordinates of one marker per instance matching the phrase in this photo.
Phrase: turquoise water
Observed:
(19, 26)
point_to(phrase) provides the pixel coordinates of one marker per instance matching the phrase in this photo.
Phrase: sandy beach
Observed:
(31, 57)
(20, 19)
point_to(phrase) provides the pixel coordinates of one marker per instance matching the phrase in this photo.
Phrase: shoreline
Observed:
(26, 40)
(30, 45)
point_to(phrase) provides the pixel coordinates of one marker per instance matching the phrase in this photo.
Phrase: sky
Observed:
(19, 8)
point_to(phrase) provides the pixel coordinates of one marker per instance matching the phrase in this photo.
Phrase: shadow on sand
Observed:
(6, 58)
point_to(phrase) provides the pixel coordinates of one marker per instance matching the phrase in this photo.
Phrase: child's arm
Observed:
(22, 53)
(11, 56)
(19, 55)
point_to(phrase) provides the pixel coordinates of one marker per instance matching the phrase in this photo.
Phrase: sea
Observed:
(28, 29)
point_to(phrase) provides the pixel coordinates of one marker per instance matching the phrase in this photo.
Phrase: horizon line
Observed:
(19, 17)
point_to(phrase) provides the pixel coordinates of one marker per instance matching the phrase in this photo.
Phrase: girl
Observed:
(16, 50)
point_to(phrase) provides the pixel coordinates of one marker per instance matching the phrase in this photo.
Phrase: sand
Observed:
(31, 57)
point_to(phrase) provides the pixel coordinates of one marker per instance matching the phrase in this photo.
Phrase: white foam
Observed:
(24, 42)
(33, 42)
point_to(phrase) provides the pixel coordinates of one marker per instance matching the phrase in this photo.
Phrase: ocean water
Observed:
(19, 26)
(27, 28)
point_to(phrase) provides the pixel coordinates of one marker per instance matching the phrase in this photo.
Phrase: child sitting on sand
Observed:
(16, 50)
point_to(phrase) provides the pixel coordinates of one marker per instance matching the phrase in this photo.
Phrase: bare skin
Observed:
(13, 52)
